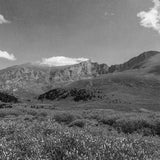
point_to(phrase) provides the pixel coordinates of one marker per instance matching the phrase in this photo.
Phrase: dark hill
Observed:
(76, 94)
(4, 97)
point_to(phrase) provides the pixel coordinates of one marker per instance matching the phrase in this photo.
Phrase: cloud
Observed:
(61, 61)
(3, 20)
(109, 14)
(151, 19)
(6, 55)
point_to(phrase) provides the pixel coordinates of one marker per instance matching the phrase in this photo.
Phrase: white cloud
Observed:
(6, 55)
(3, 20)
(109, 14)
(61, 61)
(151, 19)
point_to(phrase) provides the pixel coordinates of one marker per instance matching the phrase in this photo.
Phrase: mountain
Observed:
(32, 79)
(37, 78)
(133, 85)
(84, 70)
(127, 90)
(148, 61)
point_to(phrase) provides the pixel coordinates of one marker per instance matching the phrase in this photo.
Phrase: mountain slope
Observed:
(143, 61)
(34, 78)
(132, 85)
(29, 80)
(124, 90)
(72, 94)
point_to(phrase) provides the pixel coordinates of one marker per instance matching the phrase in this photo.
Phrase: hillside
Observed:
(35, 79)
(124, 90)
(136, 80)
(147, 60)
(137, 85)
(76, 94)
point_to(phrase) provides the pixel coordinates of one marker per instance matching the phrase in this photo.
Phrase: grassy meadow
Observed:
(34, 133)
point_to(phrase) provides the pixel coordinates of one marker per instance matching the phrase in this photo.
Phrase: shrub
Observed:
(42, 114)
(78, 123)
(131, 125)
(8, 112)
(5, 106)
(27, 118)
(31, 112)
(4, 97)
(64, 117)
(156, 126)
(109, 120)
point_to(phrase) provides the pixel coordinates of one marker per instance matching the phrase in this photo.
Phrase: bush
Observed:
(4, 97)
(5, 106)
(27, 117)
(132, 125)
(8, 112)
(65, 117)
(109, 120)
(78, 123)
(42, 114)
(31, 112)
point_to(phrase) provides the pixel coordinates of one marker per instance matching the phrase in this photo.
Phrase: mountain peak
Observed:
(140, 61)
(150, 53)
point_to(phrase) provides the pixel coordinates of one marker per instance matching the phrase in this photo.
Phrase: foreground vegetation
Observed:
(30, 134)
(4, 97)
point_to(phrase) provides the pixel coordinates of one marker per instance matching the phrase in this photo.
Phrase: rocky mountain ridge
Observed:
(37, 79)
(134, 63)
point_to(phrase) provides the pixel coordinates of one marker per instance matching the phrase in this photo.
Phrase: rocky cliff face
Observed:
(84, 70)
(37, 79)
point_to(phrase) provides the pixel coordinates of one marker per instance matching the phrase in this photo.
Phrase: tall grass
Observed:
(48, 140)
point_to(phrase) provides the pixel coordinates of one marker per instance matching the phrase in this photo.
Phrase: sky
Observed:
(105, 31)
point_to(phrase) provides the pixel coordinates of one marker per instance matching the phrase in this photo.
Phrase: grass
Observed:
(64, 117)
(79, 123)
(9, 112)
(81, 135)
(48, 140)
